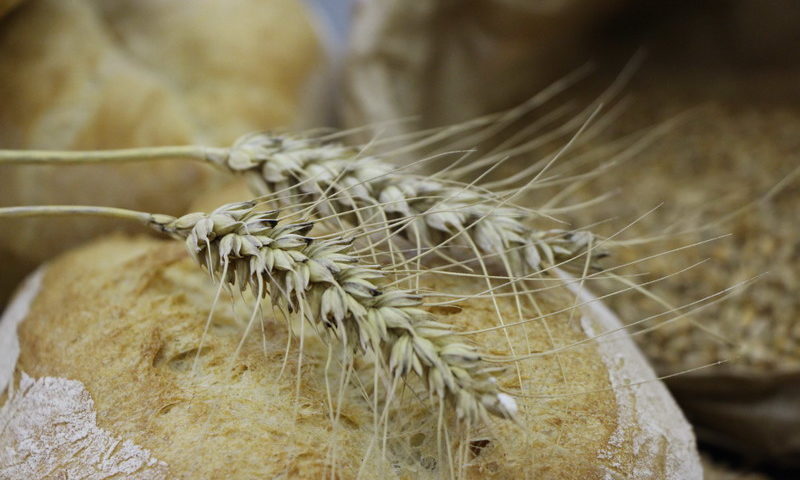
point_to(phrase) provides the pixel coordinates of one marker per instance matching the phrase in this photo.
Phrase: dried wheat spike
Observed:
(336, 178)
(317, 278)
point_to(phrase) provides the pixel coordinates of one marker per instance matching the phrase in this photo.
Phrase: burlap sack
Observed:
(446, 61)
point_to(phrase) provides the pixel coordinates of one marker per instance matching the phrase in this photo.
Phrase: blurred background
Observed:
(698, 114)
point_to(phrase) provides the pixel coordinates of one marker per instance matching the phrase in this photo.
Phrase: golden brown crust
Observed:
(129, 336)
(125, 318)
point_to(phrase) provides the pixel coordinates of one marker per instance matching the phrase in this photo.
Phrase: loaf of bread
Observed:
(84, 75)
(106, 381)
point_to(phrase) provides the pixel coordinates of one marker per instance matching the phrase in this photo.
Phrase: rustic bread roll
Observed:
(122, 318)
(81, 74)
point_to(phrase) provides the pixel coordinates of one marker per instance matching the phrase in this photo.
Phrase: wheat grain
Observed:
(253, 250)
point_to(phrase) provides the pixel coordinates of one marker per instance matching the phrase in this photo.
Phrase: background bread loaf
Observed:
(82, 75)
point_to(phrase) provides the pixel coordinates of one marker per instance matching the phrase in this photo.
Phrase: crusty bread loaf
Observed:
(83, 74)
(123, 318)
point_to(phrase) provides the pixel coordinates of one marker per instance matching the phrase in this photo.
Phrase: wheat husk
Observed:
(124, 317)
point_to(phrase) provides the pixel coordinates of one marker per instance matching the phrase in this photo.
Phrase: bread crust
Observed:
(125, 316)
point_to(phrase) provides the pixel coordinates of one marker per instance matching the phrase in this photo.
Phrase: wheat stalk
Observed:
(317, 278)
(335, 179)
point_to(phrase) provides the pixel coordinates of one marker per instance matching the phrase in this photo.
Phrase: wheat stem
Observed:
(75, 210)
(48, 157)
(338, 180)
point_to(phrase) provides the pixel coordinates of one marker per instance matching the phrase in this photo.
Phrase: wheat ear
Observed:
(251, 249)
(336, 179)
